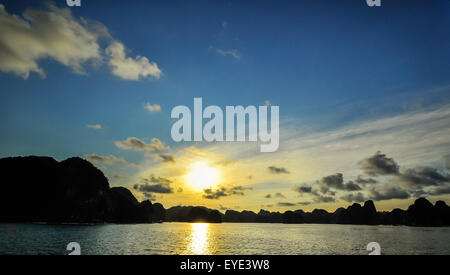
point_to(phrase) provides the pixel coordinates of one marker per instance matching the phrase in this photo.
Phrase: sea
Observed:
(221, 239)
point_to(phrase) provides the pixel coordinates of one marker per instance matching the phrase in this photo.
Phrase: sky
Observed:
(363, 94)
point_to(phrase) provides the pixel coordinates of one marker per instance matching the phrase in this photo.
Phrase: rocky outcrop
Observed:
(159, 213)
(193, 214)
(41, 189)
(292, 217)
(357, 214)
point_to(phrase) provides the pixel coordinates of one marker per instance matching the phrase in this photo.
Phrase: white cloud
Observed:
(40, 34)
(95, 126)
(54, 33)
(130, 68)
(152, 107)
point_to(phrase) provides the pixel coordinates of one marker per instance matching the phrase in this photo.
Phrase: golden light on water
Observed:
(202, 176)
(199, 239)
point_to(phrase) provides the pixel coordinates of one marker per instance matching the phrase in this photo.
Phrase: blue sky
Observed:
(327, 64)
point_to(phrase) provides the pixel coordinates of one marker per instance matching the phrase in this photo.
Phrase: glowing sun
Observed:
(202, 176)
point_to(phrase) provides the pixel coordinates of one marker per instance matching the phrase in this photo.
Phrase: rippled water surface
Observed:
(226, 238)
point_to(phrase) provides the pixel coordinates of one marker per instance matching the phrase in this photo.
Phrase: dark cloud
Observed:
(423, 176)
(106, 159)
(358, 197)
(303, 189)
(324, 199)
(222, 191)
(364, 181)
(336, 181)
(418, 193)
(286, 204)
(447, 161)
(379, 164)
(441, 190)
(149, 196)
(388, 194)
(276, 195)
(154, 185)
(351, 186)
(167, 158)
(278, 170)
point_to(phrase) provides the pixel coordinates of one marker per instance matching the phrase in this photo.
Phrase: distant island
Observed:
(41, 189)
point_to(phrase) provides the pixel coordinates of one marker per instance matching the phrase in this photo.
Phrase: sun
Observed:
(202, 176)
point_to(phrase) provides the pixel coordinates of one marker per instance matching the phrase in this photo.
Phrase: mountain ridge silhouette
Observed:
(41, 189)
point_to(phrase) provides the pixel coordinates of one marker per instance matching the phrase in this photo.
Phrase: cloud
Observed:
(233, 53)
(54, 33)
(95, 126)
(133, 143)
(152, 108)
(222, 191)
(336, 181)
(167, 158)
(286, 204)
(278, 170)
(351, 186)
(106, 159)
(423, 176)
(303, 189)
(333, 181)
(154, 185)
(388, 194)
(441, 190)
(364, 181)
(379, 164)
(324, 199)
(358, 197)
(447, 161)
(130, 68)
(276, 195)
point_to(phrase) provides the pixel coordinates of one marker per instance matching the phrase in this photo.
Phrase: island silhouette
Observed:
(41, 189)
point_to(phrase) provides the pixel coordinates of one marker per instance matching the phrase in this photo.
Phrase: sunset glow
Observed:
(201, 176)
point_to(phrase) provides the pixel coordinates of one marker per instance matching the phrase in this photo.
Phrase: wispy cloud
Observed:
(95, 126)
(106, 159)
(233, 52)
(133, 143)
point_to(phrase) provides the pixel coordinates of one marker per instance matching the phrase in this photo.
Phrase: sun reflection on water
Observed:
(199, 239)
